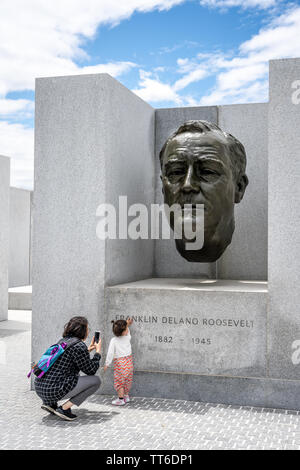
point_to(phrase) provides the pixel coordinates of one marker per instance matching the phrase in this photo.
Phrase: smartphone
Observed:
(97, 336)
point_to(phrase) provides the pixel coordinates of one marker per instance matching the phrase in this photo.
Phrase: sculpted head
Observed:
(201, 164)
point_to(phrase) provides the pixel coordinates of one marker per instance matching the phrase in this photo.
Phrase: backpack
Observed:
(51, 355)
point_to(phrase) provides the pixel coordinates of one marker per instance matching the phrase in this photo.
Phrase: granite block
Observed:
(85, 155)
(190, 326)
(20, 237)
(284, 220)
(246, 256)
(4, 234)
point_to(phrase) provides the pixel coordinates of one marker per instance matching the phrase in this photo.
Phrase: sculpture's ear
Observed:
(240, 188)
(162, 189)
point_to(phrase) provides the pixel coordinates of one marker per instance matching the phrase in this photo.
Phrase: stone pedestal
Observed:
(4, 234)
(193, 328)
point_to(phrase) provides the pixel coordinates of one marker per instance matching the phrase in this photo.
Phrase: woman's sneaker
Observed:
(118, 402)
(126, 398)
(65, 414)
(50, 408)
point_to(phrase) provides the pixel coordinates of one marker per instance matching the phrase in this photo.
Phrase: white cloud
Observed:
(262, 4)
(11, 107)
(44, 38)
(41, 38)
(113, 68)
(17, 142)
(191, 77)
(152, 89)
(256, 92)
(248, 71)
(280, 39)
(239, 79)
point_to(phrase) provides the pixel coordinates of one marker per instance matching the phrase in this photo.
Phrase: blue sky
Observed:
(169, 52)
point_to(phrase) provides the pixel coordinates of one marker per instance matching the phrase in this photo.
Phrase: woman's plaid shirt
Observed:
(63, 375)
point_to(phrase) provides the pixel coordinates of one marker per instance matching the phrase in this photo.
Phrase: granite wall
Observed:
(19, 237)
(94, 141)
(4, 234)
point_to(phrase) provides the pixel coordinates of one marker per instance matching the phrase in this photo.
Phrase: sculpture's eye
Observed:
(175, 173)
(206, 173)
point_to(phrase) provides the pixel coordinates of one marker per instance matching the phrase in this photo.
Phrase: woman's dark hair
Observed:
(119, 326)
(77, 327)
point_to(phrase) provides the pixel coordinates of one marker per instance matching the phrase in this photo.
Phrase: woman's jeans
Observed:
(86, 386)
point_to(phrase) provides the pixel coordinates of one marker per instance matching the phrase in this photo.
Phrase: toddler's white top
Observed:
(119, 346)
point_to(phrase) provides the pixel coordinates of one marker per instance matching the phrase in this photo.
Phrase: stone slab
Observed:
(247, 255)
(20, 237)
(20, 298)
(4, 234)
(284, 219)
(94, 141)
(168, 262)
(193, 327)
(260, 392)
(182, 284)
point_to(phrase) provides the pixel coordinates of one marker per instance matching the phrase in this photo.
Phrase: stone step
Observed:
(20, 298)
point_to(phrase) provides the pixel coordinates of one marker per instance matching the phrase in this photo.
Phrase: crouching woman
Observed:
(62, 381)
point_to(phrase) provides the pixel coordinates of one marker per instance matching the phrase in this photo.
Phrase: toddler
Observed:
(119, 351)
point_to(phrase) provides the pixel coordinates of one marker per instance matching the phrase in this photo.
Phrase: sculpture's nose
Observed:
(188, 184)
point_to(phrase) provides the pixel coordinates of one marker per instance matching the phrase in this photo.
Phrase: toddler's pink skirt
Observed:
(123, 373)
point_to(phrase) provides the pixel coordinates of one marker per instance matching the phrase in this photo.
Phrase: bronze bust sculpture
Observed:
(201, 164)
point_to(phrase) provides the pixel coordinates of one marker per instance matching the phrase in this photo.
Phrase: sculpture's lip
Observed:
(193, 207)
(191, 204)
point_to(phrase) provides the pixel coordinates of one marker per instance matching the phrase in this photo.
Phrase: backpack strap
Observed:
(66, 343)
(69, 342)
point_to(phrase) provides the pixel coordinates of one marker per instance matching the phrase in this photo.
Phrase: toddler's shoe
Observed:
(118, 402)
(126, 398)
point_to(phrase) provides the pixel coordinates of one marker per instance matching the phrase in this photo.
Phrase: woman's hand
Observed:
(98, 346)
(105, 368)
(92, 345)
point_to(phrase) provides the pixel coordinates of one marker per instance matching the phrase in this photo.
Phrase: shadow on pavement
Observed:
(84, 417)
